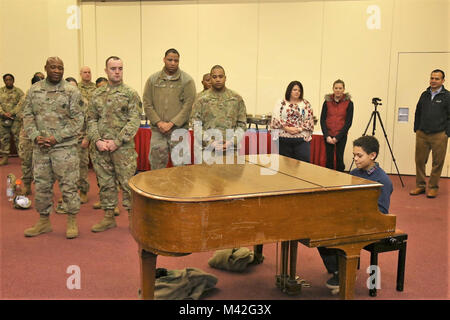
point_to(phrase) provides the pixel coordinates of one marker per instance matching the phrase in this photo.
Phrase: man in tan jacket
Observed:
(168, 98)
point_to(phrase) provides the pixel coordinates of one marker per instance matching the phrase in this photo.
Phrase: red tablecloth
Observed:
(318, 153)
(142, 145)
(254, 144)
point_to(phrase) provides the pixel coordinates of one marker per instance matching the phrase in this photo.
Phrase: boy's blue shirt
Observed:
(378, 175)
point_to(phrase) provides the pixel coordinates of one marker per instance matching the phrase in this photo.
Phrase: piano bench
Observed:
(392, 243)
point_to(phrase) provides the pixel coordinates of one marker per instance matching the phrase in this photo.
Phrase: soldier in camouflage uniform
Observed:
(25, 147)
(83, 155)
(101, 81)
(113, 120)
(52, 118)
(206, 82)
(87, 88)
(219, 108)
(9, 126)
(168, 98)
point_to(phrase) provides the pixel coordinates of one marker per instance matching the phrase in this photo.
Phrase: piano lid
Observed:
(327, 178)
(203, 182)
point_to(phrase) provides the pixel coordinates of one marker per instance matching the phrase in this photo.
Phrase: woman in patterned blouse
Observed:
(293, 117)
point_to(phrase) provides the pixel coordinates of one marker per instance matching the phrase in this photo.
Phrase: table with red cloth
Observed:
(256, 141)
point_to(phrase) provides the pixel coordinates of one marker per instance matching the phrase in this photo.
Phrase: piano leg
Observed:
(284, 262)
(348, 263)
(148, 273)
(294, 286)
(288, 282)
(347, 276)
(281, 279)
(293, 246)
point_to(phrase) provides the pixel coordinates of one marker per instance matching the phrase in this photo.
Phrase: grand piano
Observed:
(205, 207)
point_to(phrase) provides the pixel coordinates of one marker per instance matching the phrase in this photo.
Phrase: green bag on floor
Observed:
(236, 259)
(186, 284)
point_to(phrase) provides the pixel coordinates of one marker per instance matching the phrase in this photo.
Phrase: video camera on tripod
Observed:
(376, 102)
(373, 120)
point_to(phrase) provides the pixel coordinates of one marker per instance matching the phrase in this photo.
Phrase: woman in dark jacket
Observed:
(336, 119)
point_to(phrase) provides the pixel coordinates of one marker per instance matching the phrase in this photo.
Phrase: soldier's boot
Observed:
(116, 211)
(83, 197)
(42, 226)
(97, 205)
(72, 227)
(4, 161)
(26, 191)
(108, 222)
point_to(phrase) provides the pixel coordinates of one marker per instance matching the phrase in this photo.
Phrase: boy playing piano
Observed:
(365, 151)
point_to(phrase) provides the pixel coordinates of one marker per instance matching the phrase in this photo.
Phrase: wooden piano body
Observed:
(204, 207)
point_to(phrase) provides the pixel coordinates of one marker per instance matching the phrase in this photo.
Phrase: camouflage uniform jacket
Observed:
(83, 131)
(87, 90)
(169, 99)
(9, 99)
(19, 111)
(53, 110)
(114, 114)
(224, 110)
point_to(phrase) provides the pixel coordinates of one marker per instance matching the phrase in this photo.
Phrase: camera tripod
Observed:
(374, 116)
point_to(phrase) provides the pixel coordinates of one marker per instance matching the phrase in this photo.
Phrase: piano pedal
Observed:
(303, 282)
(291, 287)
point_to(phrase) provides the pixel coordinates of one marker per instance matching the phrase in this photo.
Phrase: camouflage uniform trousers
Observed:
(161, 146)
(83, 183)
(26, 155)
(92, 152)
(5, 137)
(119, 165)
(52, 164)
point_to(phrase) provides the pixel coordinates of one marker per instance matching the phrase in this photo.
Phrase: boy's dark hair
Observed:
(368, 143)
